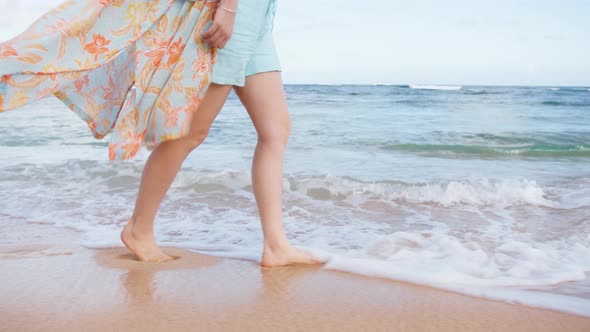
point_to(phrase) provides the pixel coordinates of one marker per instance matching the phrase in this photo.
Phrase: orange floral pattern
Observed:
(134, 69)
(98, 46)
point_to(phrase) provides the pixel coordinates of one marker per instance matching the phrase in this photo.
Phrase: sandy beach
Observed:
(55, 287)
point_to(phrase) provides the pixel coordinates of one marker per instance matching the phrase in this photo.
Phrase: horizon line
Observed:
(462, 85)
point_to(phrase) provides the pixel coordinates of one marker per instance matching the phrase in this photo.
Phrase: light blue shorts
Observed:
(251, 48)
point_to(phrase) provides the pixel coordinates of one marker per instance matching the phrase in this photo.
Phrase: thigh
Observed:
(264, 98)
(207, 111)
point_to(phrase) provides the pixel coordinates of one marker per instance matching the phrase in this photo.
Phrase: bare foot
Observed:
(287, 256)
(144, 250)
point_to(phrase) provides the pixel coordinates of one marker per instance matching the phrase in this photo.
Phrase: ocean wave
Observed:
(508, 270)
(484, 91)
(573, 89)
(483, 151)
(476, 192)
(568, 89)
(476, 92)
(436, 87)
(517, 139)
(510, 262)
(480, 192)
(565, 103)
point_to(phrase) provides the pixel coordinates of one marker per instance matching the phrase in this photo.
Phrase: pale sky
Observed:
(500, 42)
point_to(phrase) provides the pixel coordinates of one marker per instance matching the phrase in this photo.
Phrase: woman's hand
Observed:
(222, 26)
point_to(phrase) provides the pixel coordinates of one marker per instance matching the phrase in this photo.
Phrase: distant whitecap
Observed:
(436, 87)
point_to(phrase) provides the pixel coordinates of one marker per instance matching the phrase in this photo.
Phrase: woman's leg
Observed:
(159, 172)
(264, 99)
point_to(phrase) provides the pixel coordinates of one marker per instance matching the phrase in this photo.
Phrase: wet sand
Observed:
(50, 287)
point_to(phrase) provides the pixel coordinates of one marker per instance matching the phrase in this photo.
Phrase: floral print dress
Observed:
(136, 69)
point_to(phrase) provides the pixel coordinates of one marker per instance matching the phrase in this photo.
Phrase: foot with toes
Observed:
(287, 255)
(143, 246)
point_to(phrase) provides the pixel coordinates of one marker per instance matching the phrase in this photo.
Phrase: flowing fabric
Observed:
(135, 69)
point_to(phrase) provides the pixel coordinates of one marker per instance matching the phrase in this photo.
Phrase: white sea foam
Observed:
(475, 192)
(426, 275)
(436, 87)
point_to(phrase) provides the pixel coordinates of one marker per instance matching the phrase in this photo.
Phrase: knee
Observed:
(194, 139)
(275, 137)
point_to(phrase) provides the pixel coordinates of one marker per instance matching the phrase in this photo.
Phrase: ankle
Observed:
(140, 231)
(276, 245)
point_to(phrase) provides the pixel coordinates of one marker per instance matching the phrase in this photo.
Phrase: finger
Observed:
(213, 29)
(216, 39)
(216, 42)
(210, 31)
(224, 43)
(221, 44)
(216, 35)
(223, 38)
